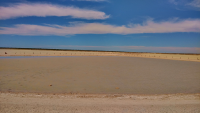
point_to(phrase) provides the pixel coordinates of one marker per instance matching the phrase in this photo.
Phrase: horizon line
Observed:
(92, 50)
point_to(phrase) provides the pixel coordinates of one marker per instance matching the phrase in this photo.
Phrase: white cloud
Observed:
(99, 28)
(195, 3)
(173, 2)
(186, 4)
(43, 10)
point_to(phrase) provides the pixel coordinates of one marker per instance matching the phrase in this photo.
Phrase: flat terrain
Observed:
(91, 83)
(28, 52)
(79, 103)
(99, 75)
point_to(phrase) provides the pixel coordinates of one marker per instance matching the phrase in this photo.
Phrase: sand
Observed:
(99, 83)
(79, 103)
(24, 52)
(128, 75)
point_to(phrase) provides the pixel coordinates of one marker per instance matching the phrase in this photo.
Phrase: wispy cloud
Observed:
(44, 10)
(99, 28)
(186, 4)
(173, 2)
(195, 3)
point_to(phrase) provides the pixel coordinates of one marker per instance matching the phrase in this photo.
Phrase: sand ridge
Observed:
(24, 52)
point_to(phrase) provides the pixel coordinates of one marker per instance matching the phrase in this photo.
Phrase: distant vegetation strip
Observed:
(56, 49)
(91, 50)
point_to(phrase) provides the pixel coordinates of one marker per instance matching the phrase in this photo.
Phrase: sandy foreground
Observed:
(122, 84)
(104, 103)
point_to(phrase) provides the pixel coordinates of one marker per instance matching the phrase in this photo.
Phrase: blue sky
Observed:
(167, 26)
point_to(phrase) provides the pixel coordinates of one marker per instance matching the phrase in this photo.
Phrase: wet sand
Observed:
(99, 75)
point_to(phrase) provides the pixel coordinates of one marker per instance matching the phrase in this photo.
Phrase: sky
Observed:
(164, 26)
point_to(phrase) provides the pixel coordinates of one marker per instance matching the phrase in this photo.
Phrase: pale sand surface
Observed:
(99, 84)
(113, 75)
(104, 103)
(127, 75)
(22, 52)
